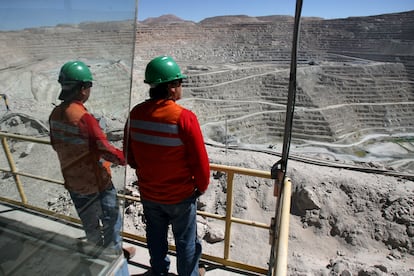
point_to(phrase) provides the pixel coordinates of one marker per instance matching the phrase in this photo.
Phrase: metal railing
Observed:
(281, 234)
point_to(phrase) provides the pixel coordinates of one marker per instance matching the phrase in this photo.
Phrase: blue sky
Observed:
(18, 14)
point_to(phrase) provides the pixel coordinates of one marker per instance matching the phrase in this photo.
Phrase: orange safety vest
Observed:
(82, 149)
(164, 143)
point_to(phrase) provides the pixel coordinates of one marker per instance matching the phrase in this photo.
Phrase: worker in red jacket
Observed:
(85, 157)
(164, 144)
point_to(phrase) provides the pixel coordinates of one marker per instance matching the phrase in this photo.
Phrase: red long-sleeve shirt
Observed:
(164, 143)
(83, 150)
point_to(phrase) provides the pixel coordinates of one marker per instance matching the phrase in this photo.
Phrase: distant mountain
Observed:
(167, 18)
(229, 19)
(235, 19)
(224, 19)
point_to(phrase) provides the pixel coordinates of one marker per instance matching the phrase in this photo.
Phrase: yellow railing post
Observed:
(13, 169)
(280, 268)
(229, 214)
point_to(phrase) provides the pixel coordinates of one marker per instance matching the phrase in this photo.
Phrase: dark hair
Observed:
(159, 92)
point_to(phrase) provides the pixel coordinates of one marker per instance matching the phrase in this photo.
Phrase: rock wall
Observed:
(354, 74)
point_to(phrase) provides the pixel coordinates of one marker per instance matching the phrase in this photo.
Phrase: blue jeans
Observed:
(100, 216)
(183, 218)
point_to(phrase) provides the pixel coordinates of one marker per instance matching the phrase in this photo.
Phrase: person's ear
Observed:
(171, 91)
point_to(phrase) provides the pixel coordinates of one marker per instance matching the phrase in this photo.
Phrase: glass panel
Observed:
(36, 39)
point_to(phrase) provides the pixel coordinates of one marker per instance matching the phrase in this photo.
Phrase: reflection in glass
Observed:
(36, 39)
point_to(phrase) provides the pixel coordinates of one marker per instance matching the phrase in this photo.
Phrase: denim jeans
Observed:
(183, 218)
(100, 216)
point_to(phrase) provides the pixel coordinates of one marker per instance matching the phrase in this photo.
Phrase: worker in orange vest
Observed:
(164, 144)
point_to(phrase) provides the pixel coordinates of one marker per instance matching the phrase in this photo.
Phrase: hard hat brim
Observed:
(181, 77)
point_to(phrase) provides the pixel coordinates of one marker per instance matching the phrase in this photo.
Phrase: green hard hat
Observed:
(71, 76)
(162, 69)
(74, 71)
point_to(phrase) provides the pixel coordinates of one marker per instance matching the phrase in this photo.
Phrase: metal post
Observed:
(280, 167)
(229, 214)
(281, 260)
